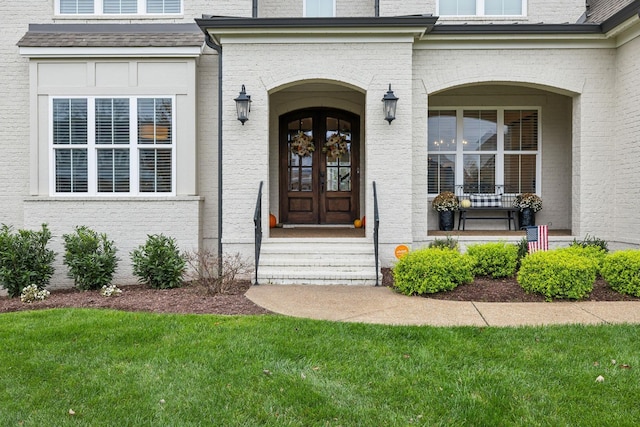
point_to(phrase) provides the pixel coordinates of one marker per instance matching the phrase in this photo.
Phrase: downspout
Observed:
(209, 41)
(254, 13)
(377, 8)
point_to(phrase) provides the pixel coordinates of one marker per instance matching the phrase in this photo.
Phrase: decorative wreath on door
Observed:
(302, 144)
(336, 146)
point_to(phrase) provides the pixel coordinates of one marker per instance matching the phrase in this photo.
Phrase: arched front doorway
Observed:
(319, 183)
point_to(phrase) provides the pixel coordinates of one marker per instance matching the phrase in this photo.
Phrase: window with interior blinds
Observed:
(116, 157)
(481, 150)
(163, 6)
(76, 6)
(119, 6)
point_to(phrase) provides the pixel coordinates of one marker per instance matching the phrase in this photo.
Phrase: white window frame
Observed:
(304, 10)
(92, 148)
(98, 7)
(500, 152)
(480, 10)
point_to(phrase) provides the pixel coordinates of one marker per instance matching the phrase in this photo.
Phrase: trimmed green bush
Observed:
(594, 253)
(621, 270)
(558, 274)
(158, 263)
(497, 259)
(90, 257)
(431, 270)
(25, 259)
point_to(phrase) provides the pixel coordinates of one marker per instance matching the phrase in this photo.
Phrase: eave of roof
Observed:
(111, 35)
(413, 25)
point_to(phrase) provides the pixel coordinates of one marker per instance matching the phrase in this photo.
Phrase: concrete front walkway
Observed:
(368, 304)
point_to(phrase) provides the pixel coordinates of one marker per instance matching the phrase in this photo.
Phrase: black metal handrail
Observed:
(257, 225)
(376, 227)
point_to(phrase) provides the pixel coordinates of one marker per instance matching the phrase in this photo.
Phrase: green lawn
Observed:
(134, 369)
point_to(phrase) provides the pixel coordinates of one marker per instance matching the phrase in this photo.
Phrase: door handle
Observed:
(322, 182)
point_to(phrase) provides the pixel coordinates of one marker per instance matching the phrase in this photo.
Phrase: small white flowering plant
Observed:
(110, 291)
(33, 293)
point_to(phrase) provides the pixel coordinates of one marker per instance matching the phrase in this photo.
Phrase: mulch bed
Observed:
(486, 289)
(195, 299)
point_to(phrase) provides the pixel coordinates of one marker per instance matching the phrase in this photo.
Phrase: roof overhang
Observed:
(217, 28)
(111, 40)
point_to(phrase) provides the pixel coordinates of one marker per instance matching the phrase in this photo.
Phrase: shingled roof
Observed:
(112, 35)
(599, 11)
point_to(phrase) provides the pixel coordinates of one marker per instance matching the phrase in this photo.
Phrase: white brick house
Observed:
(120, 115)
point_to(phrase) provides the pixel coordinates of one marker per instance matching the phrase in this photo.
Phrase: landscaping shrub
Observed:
(447, 243)
(594, 253)
(90, 257)
(558, 274)
(25, 259)
(590, 241)
(497, 259)
(621, 270)
(158, 263)
(431, 270)
(205, 270)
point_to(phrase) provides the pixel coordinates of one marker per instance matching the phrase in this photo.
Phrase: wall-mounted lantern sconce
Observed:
(243, 105)
(390, 102)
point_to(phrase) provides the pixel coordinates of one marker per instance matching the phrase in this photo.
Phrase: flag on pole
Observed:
(538, 238)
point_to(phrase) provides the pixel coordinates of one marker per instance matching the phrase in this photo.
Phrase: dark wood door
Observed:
(319, 167)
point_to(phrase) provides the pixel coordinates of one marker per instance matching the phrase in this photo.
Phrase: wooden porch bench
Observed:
(499, 204)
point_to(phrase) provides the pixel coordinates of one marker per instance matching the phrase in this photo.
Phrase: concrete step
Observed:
(318, 261)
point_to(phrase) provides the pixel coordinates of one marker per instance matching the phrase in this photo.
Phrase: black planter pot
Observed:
(446, 219)
(526, 217)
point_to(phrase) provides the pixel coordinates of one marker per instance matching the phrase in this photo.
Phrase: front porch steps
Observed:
(317, 262)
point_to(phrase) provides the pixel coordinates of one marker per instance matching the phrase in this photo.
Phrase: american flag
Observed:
(538, 238)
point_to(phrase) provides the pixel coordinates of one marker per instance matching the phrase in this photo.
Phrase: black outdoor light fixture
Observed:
(390, 102)
(243, 105)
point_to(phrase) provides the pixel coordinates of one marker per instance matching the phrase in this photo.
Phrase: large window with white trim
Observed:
(112, 146)
(319, 8)
(477, 150)
(118, 7)
(482, 8)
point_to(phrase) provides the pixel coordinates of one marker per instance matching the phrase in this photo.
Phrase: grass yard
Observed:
(137, 369)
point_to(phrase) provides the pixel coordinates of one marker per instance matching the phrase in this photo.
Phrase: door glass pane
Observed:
(300, 148)
(480, 130)
(338, 154)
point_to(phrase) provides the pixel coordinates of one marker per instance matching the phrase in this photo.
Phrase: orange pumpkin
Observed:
(272, 220)
(357, 223)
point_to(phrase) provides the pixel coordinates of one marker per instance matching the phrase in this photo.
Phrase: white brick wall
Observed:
(126, 222)
(626, 143)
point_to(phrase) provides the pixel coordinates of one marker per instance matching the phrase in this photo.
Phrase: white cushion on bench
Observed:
(486, 200)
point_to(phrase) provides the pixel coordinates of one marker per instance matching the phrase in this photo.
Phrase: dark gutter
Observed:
(209, 41)
(517, 29)
(220, 22)
(621, 16)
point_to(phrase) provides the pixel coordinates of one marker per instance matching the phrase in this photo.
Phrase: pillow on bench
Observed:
(486, 200)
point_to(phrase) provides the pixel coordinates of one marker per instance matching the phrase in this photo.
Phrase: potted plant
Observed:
(527, 204)
(446, 203)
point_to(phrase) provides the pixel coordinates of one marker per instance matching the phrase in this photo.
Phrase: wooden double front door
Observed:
(319, 167)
